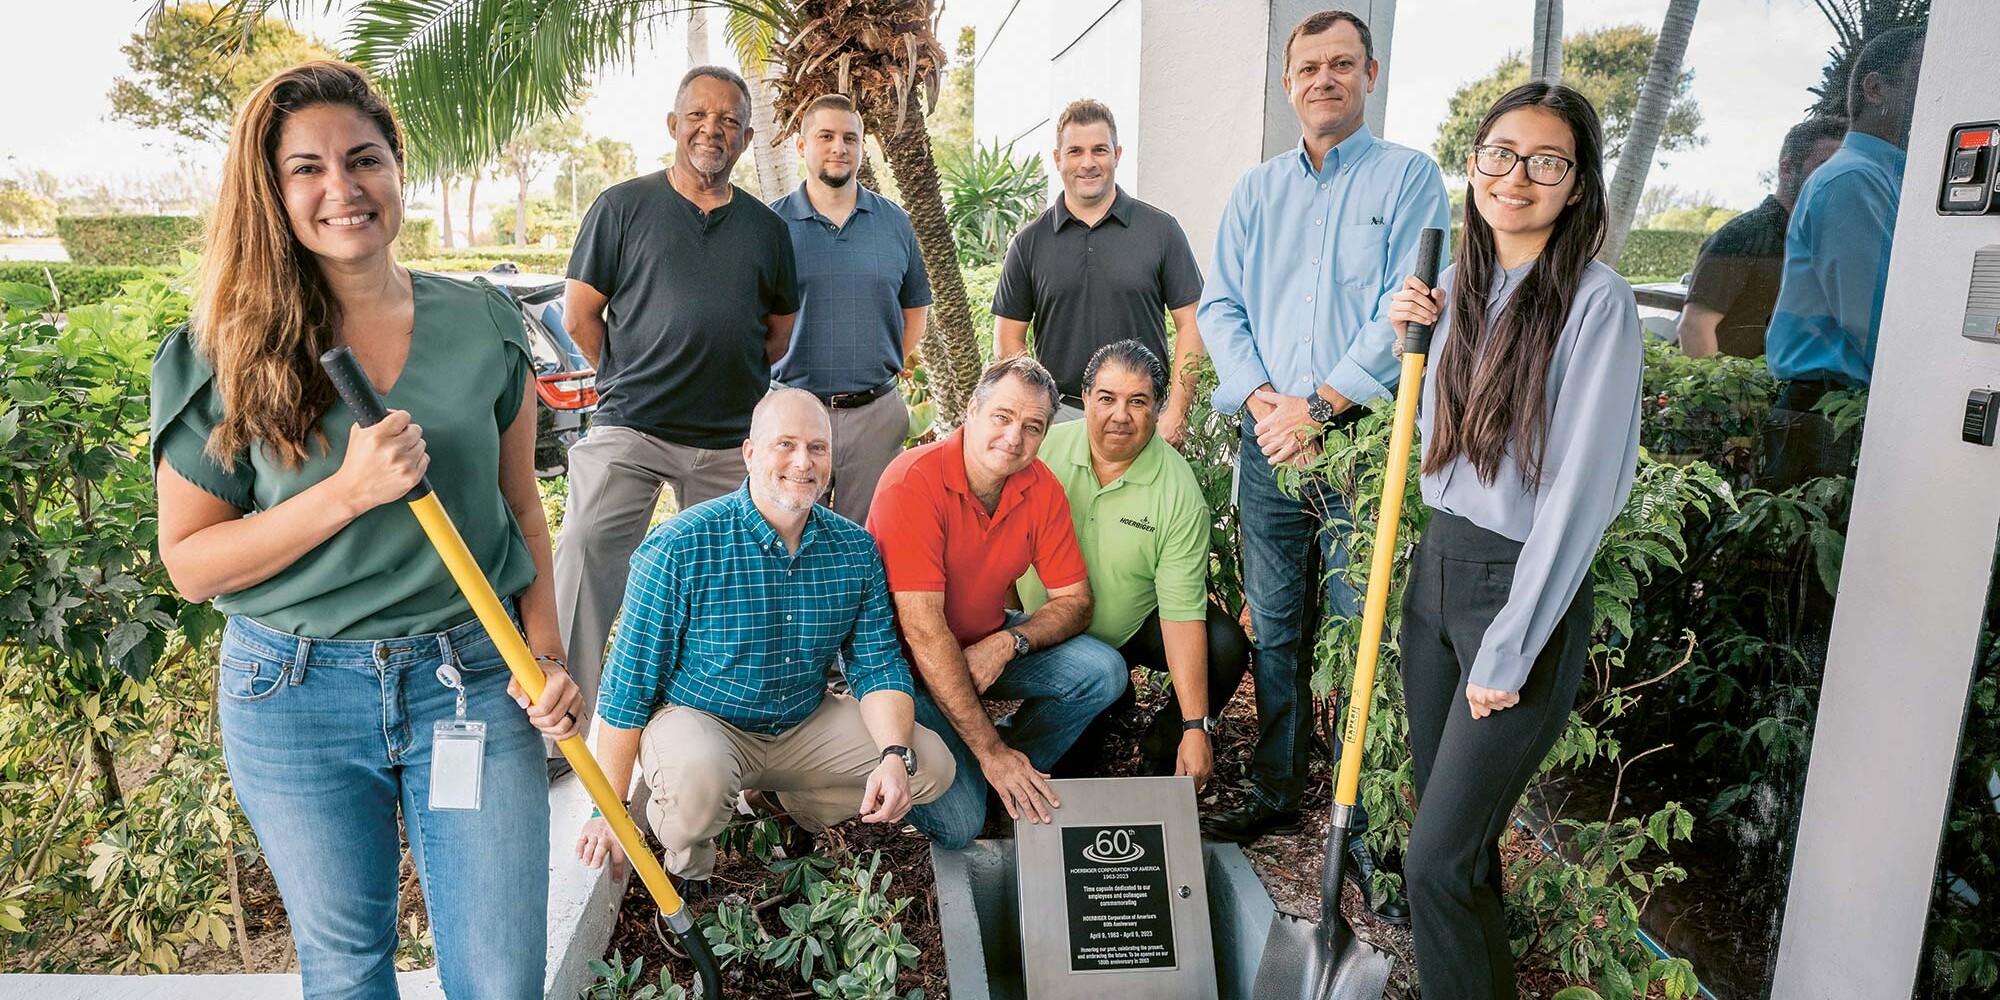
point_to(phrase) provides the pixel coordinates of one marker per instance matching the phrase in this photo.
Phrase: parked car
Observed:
(565, 383)
(1660, 304)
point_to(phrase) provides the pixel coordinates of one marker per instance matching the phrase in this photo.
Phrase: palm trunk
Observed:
(444, 211)
(697, 36)
(521, 206)
(950, 348)
(777, 167)
(471, 196)
(1649, 119)
(1547, 62)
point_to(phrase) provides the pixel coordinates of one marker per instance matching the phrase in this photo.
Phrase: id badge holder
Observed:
(458, 752)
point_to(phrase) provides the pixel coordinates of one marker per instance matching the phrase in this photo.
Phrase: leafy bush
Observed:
(131, 240)
(99, 655)
(528, 259)
(989, 196)
(417, 238)
(1706, 409)
(76, 284)
(1660, 251)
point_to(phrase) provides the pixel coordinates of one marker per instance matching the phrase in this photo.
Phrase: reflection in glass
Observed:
(1961, 956)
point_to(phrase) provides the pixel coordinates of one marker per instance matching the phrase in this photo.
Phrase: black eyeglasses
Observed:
(1546, 169)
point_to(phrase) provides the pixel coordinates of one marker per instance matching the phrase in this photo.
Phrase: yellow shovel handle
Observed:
(472, 582)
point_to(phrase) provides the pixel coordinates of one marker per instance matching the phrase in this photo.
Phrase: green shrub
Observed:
(418, 238)
(141, 240)
(530, 259)
(989, 196)
(546, 217)
(77, 284)
(1660, 251)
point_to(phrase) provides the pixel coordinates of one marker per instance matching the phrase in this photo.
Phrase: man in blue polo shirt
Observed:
(1822, 334)
(716, 682)
(1312, 246)
(863, 302)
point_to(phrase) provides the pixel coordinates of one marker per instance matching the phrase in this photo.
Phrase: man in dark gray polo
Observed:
(1099, 266)
(682, 291)
(863, 301)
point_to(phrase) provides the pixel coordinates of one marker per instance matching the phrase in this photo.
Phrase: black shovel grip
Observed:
(1430, 247)
(361, 398)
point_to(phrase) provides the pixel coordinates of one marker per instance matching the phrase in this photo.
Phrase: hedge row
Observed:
(128, 240)
(1660, 251)
(531, 260)
(418, 238)
(77, 284)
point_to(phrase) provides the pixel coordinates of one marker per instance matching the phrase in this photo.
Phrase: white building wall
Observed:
(1914, 581)
(1194, 85)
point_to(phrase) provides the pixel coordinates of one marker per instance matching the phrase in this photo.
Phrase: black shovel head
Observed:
(1292, 970)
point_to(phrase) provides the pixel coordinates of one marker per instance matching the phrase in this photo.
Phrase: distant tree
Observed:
(950, 125)
(25, 210)
(181, 84)
(594, 164)
(1855, 22)
(1607, 65)
(528, 153)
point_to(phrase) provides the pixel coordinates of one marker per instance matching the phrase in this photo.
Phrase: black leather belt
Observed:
(851, 400)
(1802, 394)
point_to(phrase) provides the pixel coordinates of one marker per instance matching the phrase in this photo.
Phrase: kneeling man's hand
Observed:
(1022, 789)
(597, 843)
(887, 796)
(987, 657)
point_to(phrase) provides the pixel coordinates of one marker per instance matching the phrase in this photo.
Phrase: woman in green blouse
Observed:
(348, 646)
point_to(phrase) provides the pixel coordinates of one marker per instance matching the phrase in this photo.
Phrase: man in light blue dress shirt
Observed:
(1312, 246)
(1822, 334)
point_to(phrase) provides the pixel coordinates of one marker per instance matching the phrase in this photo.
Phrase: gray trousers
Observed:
(615, 476)
(865, 440)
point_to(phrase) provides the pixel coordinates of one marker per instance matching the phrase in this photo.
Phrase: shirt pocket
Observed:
(1360, 253)
(249, 678)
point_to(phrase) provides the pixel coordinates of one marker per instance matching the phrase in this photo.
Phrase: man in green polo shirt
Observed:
(1143, 526)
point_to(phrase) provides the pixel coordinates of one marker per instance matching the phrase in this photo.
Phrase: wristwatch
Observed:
(1021, 646)
(1206, 724)
(1318, 408)
(909, 758)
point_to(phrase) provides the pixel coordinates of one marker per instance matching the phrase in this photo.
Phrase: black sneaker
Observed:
(1360, 870)
(1250, 821)
(558, 766)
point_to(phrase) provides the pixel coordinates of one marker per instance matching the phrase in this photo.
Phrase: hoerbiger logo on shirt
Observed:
(1141, 524)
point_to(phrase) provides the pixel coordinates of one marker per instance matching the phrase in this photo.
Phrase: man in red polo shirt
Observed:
(958, 521)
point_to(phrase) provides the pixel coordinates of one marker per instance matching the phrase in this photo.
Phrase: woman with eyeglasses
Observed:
(354, 675)
(1530, 428)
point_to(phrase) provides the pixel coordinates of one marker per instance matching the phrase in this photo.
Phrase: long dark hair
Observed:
(1504, 365)
(264, 313)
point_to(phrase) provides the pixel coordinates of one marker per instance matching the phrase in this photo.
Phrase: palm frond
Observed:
(753, 35)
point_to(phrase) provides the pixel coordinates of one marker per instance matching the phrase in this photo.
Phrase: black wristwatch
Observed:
(909, 758)
(1206, 724)
(1021, 646)
(1318, 407)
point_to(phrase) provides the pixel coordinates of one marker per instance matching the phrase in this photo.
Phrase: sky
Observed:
(1752, 60)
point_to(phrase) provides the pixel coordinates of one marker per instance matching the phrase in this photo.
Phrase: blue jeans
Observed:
(1060, 689)
(1281, 535)
(326, 740)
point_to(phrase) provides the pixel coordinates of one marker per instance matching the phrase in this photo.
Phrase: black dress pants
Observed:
(1470, 773)
(1228, 661)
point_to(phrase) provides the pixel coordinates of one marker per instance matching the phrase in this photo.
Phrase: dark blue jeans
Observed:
(1289, 543)
(1060, 688)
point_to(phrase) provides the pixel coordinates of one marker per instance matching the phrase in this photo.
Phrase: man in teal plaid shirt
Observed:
(716, 681)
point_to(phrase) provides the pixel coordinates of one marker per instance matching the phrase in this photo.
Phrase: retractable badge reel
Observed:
(458, 752)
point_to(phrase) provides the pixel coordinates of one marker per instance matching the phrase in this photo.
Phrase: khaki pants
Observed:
(865, 440)
(615, 477)
(695, 764)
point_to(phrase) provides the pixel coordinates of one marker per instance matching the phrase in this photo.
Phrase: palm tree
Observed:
(467, 75)
(1855, 22)
(1546, 58)
(1649, 119)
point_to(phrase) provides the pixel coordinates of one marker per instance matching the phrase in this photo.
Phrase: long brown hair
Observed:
(1492, 377)
(263, 313)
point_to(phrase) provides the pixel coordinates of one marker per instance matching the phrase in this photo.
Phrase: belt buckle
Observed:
(837, 398)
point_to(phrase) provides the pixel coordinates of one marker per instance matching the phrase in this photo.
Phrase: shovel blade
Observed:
(1296, 968)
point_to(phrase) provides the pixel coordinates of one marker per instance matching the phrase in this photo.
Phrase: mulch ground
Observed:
(1289, 868)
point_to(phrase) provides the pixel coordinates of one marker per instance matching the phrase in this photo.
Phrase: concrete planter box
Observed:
(583, 909)
(982, 941)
